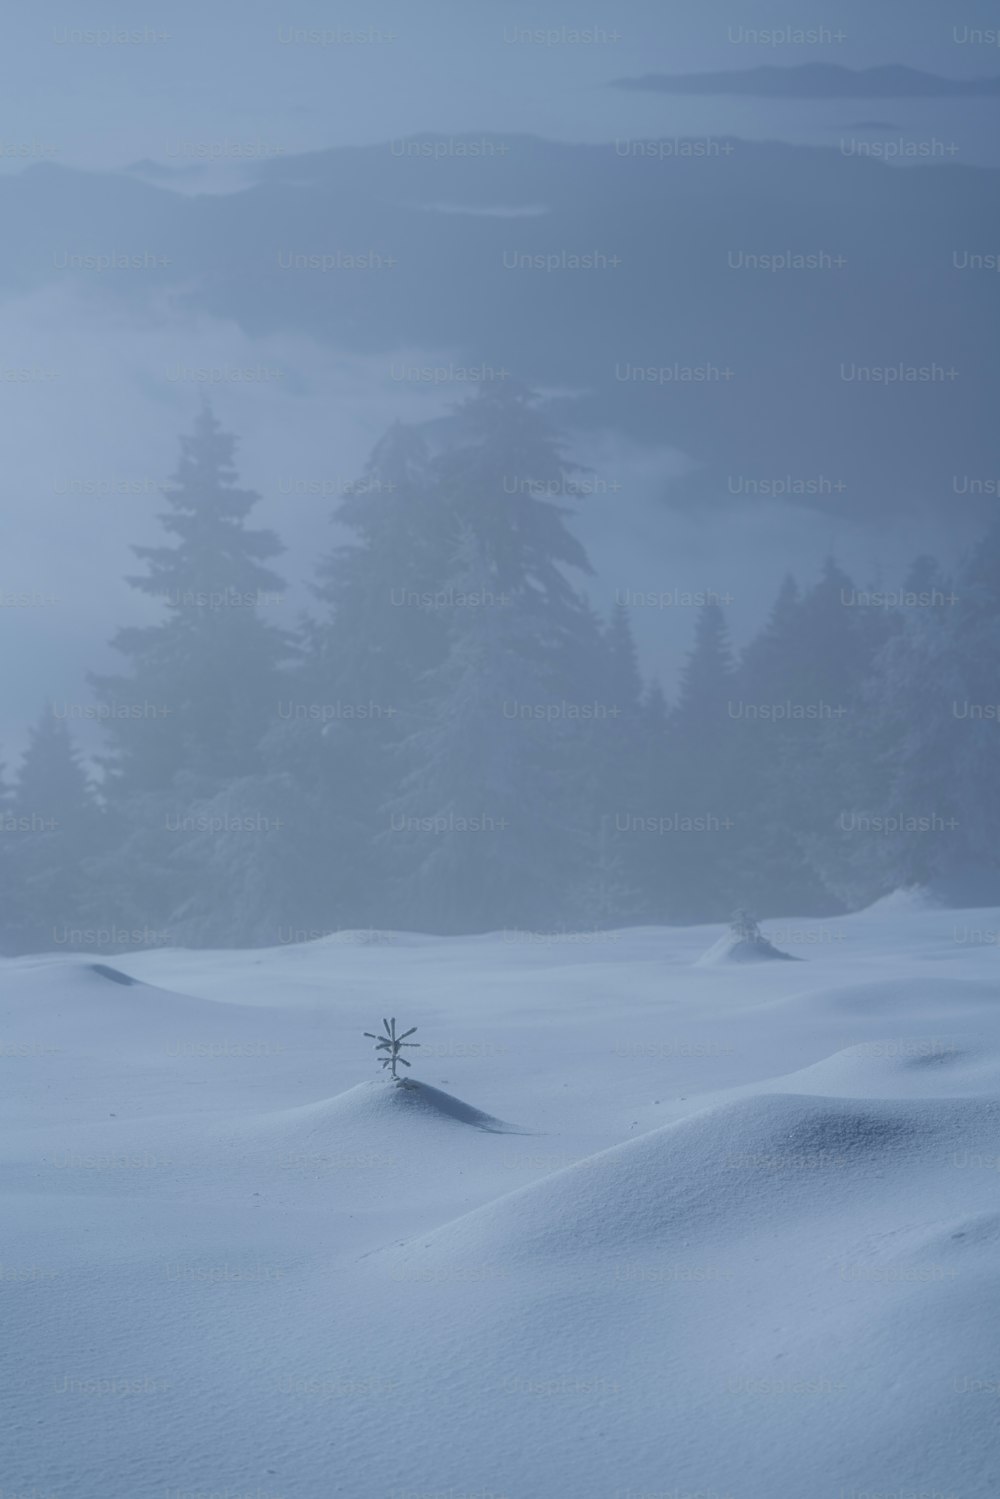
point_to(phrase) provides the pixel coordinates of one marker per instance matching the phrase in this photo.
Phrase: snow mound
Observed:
(84, 1004)
(711, 1175)
(114, 974)
(351, 937)
(732, 948)
(365, 937)
(371, 1107)
(928, 1066)
(797, 1277)
(909, 900)
(740, 1262)
(410, 1100)
(918, 999)
(965, 1237)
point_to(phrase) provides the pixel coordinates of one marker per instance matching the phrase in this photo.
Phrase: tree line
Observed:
(454, 740)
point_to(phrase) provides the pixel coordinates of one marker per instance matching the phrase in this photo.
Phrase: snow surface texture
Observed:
(738, 1236)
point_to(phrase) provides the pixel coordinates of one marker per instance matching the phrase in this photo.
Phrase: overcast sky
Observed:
(233, 68)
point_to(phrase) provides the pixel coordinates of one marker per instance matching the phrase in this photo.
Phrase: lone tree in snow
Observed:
(745, 927)
(743, 943)
(392, 1045)
(746, 937)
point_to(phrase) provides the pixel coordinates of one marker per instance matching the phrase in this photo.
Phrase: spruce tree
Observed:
(779, 673)
(623, 661)
(55, 829)
(773, 664)
(188, 717)
(10, 894)
(619, 792)
(500, 476)
(201, 684)
(503, 464)
(469, 513)
(829, 761)
(809, 669)
(696, 864)
(928, 751)
(381, 628)
(478, 827)
(706, 681)
(839, 635)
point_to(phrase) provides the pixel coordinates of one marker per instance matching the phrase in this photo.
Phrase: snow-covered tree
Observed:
(499, 476)
(380, 628)
(613, 783)
(479, 827)
(10, 894)
(699, 782)
(803, 682)
(781, 673)
(623, 661)
(187, 718)
(922, 799)
(52, 833)
(455, 511)
(201, 684)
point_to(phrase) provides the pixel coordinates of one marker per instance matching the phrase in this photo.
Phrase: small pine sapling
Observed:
(392, 1045)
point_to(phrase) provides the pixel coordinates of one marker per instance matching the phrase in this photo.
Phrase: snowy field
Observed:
(645, 1227)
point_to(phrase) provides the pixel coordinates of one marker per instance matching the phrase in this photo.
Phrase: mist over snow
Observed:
(306, 416)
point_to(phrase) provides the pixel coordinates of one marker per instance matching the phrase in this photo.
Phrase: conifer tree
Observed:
(773, 664)
(188, 717)
(623, 659)
(777, 674)
(617, 792)
(55, 826)
(927, 752)
(503, 464)
(479, 825)
(201, 684)
(9, 888)
(382, 627)
(706, 681)
(379, 629)
(500, 476)
(462, 511)
(700, 780)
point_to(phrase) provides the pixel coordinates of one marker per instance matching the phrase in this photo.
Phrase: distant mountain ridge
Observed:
(698, 287)
(818, 80)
